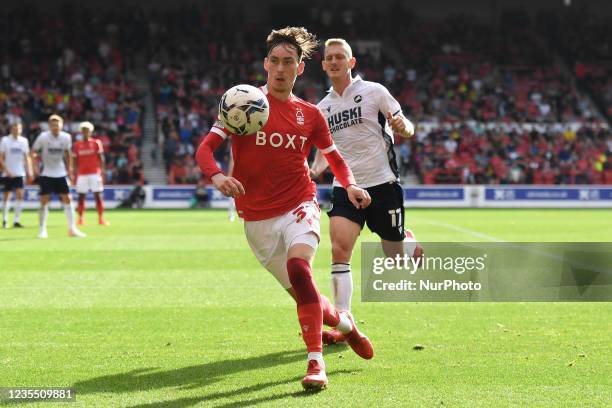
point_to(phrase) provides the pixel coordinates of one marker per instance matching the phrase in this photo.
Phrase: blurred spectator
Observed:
(136, 199)
(80, 72)
(200, 196)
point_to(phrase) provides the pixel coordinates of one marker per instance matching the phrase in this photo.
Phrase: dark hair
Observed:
(297, 37)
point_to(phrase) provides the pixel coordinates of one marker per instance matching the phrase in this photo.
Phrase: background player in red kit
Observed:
(89, 161)
(277, 199)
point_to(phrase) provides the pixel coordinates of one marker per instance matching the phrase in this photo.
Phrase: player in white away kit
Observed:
(53, 147)
(17, 164)
(362, 117)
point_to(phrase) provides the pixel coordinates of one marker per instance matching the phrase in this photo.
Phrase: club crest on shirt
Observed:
(299, 116)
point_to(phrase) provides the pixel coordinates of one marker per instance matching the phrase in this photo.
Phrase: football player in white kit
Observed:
(17, 165)
(362, 117)
(54, 147)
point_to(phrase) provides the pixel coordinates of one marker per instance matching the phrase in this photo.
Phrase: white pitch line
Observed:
(459, 229)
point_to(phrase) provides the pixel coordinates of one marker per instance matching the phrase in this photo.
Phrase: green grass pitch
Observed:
(171, 309)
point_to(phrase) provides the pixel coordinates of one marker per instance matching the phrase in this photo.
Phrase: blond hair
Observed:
(56, 117)
(341, 42)
(87, 125)
(297, 37)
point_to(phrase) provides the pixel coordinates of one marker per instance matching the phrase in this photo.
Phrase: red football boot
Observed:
(316, 379)
(333, 336)
(358, 341)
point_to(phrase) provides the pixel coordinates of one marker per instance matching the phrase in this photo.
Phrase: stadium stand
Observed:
(495, 102)
(492, 100)
(78, 66)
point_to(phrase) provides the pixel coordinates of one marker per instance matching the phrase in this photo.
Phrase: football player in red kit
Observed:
(88, 155)
(277, 199)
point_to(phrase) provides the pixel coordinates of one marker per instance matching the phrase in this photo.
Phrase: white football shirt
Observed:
(14, 150)
(52, 149)
(358, 124)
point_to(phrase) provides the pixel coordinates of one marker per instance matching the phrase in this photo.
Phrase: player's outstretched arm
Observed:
(318, 165)
(358, 196)
(29, 168)
(400, 124)
(228, 186)
(68, 164)
(35, 155)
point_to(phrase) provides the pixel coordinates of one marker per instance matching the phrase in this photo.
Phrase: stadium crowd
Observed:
(457, 71)
(78, 66)
(487, 98)
(585, 41)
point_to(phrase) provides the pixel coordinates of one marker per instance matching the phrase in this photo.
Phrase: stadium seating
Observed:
(79, 70)
(457, 71)
(495, 102)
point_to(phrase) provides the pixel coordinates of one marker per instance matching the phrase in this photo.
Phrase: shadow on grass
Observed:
(197, 376)
(209, 398)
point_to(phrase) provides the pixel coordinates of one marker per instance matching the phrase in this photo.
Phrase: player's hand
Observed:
(228, 186)
(400, 125)
(9, 173)
(358, 196)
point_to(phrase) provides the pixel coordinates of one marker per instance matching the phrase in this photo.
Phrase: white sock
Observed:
(342, 285)
(18, 208)
(5, 210)
(317, 356)
(43, 213)
(69, 211)
(345, 325)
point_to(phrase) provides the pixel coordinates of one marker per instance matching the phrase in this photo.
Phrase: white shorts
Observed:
(89, 182)
(271, 239)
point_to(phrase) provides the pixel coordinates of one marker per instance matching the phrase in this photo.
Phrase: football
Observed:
(243, 109)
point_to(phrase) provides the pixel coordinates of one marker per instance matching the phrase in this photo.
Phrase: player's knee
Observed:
(341, 250)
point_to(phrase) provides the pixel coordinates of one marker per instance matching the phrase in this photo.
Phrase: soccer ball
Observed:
(244, 110)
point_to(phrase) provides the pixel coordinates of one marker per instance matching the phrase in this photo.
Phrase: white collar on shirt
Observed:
(353, 81)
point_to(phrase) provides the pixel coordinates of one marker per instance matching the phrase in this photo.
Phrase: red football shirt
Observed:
(272, 164)
(87, 153)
